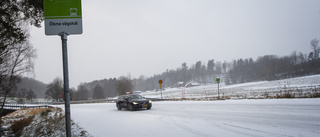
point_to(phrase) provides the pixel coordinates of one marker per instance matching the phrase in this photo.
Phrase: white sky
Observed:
(147, 37)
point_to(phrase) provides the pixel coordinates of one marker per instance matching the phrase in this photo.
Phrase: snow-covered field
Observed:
(267, 117)
(245, 117)
(297, 87)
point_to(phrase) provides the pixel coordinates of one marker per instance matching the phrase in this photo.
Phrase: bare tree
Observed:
(21, 95)
(55, 89)
(31, 95)
(124, 84)
(316, 49)
(82, 93)
(72, 92)
(15, 61)
(98, 92)
(210, 67)
(218, 69)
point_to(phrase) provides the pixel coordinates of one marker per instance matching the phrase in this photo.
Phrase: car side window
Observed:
(122, 97)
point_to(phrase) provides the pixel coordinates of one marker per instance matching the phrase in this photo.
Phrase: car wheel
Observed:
(131, 107)
(118, 106)
(149, 106)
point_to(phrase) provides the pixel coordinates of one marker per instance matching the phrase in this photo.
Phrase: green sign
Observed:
(62, 15)
(218, 79)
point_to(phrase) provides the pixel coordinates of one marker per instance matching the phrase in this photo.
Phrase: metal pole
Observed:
(161, 91)
(218, 91)
(64, 37)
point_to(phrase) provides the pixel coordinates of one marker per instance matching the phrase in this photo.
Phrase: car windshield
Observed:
(135, 97)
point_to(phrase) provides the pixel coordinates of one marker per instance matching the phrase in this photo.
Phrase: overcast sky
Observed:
(147, 37)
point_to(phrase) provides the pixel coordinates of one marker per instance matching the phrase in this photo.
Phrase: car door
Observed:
(121, 100)
(125, 101)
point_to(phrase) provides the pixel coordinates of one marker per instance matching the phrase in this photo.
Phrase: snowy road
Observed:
(276, 117)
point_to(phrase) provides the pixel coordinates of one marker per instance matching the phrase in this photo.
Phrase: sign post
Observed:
(62, 18)
(66, 82)
(160, 82)
(218, 81)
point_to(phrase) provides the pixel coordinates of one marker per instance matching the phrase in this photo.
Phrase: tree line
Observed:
(268, 67)
(98, 89)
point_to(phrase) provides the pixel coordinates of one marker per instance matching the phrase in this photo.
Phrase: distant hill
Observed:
(38, 87)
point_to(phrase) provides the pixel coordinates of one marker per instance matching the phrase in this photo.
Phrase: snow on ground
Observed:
(36, 122)
(267, 117)
(300, 86)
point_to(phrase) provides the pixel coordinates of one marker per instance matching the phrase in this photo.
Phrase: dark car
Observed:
(133, 102)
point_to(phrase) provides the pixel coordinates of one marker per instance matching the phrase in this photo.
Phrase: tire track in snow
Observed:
(243, 130)
(188, 129)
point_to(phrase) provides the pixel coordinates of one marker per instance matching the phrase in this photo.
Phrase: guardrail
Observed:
(157, 99)
(47, 104)
(21, 106)
(13, 106)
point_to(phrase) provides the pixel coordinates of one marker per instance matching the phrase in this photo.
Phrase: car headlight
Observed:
(150, 101)
(135, 103)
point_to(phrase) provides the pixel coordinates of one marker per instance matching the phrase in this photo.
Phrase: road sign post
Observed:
(218, 81)
(63, 18)
(66, 82)
(160, 82)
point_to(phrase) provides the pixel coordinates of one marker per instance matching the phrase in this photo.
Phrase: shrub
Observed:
(18, 126)
(46, 112)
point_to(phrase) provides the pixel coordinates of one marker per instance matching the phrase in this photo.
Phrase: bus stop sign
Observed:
(62, 16)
